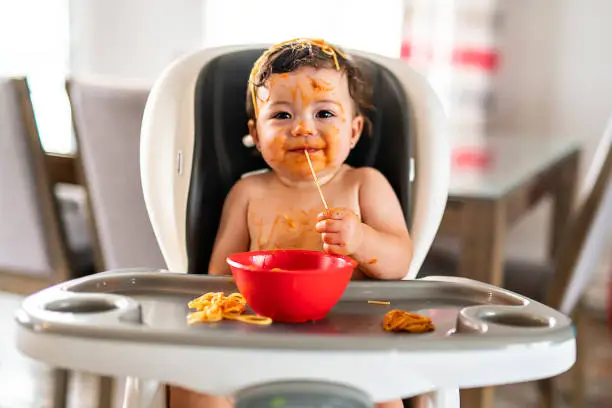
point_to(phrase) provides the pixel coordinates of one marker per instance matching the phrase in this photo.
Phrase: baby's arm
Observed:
(233, 233)
(386, 248)
(380, 241)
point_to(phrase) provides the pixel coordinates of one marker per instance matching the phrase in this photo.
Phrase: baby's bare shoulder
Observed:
(253, 184)
(372, 184)
(366, 175)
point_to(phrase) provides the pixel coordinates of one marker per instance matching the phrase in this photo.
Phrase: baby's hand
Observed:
(341, 230)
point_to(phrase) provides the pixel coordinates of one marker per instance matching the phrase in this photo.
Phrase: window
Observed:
(364, 25)
(34, 41)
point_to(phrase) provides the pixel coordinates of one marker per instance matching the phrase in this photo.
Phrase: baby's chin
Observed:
(302, 172)
(297, 173)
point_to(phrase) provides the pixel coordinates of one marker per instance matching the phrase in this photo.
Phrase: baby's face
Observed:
(306, 109)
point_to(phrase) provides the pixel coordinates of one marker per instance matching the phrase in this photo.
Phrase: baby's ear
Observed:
(357, 128)
(253, 133)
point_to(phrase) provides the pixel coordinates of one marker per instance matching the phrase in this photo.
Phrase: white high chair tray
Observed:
(134, 324)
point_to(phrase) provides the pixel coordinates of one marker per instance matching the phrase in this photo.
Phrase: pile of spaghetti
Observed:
(399, 320)
(215, 306)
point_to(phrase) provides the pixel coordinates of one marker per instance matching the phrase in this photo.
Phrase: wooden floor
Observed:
(25, 383)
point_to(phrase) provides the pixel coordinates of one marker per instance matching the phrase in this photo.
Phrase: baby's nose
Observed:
(303, 128)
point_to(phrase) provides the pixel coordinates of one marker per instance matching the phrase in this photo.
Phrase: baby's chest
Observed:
(289, 222)
(277, 225)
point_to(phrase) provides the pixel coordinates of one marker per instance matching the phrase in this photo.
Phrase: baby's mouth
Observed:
(300, 149)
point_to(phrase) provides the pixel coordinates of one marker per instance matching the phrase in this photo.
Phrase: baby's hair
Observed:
(291, 55)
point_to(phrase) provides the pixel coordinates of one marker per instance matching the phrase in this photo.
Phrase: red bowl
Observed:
(291, 286)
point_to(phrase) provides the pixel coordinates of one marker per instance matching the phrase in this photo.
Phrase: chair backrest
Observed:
(589, 233)
(107, 119)
(202, 96)
(32, 242)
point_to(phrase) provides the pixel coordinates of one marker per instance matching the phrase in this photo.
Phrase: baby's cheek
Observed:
(274, 151)
(337, 146)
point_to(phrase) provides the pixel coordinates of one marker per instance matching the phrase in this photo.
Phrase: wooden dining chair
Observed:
(34, 250)
(35, 245)
(561, 282)
(107, 119)
(587, 237)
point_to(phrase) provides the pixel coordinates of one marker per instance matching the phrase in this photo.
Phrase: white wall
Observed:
(136, 39)
(583, 80)
(360, 24)
(555, 81)
(556, 76)
(133, 39)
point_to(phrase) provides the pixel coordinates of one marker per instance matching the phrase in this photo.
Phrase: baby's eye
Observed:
(324, 114)
(282, 115)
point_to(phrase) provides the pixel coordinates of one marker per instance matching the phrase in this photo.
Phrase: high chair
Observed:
(195, 128)
(41, 241)
(193, 149)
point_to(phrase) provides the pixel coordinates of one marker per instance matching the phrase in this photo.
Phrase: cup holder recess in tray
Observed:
(81, 305)
(516, 319)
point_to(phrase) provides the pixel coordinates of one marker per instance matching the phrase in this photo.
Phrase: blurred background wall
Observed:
(553, 79)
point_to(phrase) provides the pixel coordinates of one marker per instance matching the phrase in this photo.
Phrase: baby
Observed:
(309, 95)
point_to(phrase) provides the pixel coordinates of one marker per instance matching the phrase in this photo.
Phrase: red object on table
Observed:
(471, 157)
(291, 286)
(483, 58)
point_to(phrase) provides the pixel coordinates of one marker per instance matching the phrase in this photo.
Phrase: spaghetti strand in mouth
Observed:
(301, 149)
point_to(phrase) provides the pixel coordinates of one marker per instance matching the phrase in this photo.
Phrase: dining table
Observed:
(487, 197)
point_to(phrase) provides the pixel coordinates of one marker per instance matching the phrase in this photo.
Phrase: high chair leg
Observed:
(141, 393)
(60, 387)
(105, 392)
(444, 398)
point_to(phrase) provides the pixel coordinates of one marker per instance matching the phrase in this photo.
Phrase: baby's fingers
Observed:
(335, 249)
(332, 239)
(328, 226)
(336, 214)
(331, 214)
